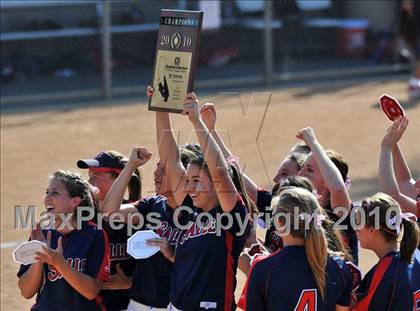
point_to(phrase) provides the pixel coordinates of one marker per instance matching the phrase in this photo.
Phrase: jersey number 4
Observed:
(307, 300)
(416, 301)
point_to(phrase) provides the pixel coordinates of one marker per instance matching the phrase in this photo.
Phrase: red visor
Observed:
(105, 170)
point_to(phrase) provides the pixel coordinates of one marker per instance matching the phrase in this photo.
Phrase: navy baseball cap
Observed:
(101, 160)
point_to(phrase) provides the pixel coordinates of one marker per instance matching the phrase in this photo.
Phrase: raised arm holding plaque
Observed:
(176, 59)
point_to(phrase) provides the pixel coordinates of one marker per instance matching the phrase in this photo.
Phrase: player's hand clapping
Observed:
(53, 257)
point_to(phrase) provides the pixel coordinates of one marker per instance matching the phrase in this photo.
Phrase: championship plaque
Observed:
(176, 59)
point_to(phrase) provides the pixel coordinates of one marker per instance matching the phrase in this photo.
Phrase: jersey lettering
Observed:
(307, 300)
(196, 230)
(416, 301)
(118, 251)
(76, 263)
(168, 232)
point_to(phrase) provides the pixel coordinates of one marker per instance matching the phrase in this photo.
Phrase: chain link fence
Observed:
(55, 49)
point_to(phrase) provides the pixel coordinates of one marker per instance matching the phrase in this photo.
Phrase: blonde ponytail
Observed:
(410, 240)
(315, 241)
(317, 252)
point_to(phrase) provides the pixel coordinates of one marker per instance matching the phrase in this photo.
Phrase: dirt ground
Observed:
(345, 117)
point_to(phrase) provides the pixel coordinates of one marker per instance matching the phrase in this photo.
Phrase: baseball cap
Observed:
(102, 160)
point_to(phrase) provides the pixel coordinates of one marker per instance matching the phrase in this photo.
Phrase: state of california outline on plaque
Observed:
(176, 59)
(171, 78)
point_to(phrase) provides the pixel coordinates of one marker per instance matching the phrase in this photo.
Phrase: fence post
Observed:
(106, 50)
(268, 42)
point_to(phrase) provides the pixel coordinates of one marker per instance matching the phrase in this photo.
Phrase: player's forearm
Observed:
(167, 147)
(211, 152)
(120, 283)
(220, 142)
(386, 177)
(388, 183)
(127, 282)
(402, 171)
(225, 189)
(407, 204)
(331, 176)
(250, 187)
(115, 195)
(171, 257)
(165, 248)
(30, 282)
(402, 174)
(329, 172)
(169, 155)
(82, 283)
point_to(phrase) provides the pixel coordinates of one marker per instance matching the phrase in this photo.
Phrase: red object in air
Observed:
(391, 107)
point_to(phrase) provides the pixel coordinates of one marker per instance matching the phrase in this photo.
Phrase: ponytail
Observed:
(235, 173)
(317, 252)
(410, 239)
(315, 241)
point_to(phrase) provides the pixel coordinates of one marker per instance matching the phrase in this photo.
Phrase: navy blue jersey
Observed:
(414, 279)
(273, 241)
(399, 285)
(284, 281)
(204, 272)
(87, 251)
(117, 299)
(152, 276)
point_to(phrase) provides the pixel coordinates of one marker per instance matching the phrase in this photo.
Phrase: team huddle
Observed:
(307, 261)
